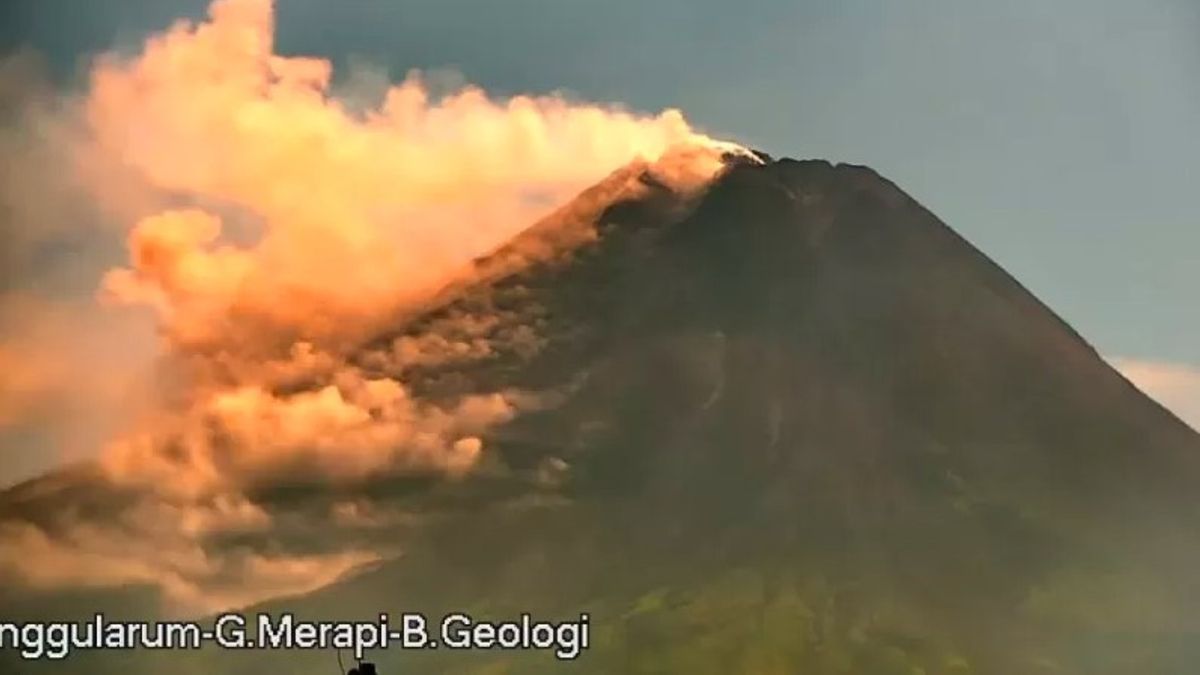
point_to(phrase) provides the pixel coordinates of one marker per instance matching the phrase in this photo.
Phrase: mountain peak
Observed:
(748, 381)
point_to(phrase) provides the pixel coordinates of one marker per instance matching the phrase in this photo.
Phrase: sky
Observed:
(1057, 137)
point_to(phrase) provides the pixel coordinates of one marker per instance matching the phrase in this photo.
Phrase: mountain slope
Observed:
(797, 426)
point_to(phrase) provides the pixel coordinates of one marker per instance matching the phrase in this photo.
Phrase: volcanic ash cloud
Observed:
(270, 228)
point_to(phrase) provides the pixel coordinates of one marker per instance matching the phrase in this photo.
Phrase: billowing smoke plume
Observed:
(270, 229)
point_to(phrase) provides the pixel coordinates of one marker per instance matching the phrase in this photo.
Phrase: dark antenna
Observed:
(360, 669)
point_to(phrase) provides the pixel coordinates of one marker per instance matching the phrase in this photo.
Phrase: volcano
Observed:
(789, 423)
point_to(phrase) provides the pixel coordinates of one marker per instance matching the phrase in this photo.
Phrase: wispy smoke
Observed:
(269, 228)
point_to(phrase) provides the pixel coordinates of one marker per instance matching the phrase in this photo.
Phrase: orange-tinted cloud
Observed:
(321, 224)
(269, 227)
(71, 375)
(191, 578)
(351, 212)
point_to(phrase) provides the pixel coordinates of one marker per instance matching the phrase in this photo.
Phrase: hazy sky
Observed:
(1059, 137)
